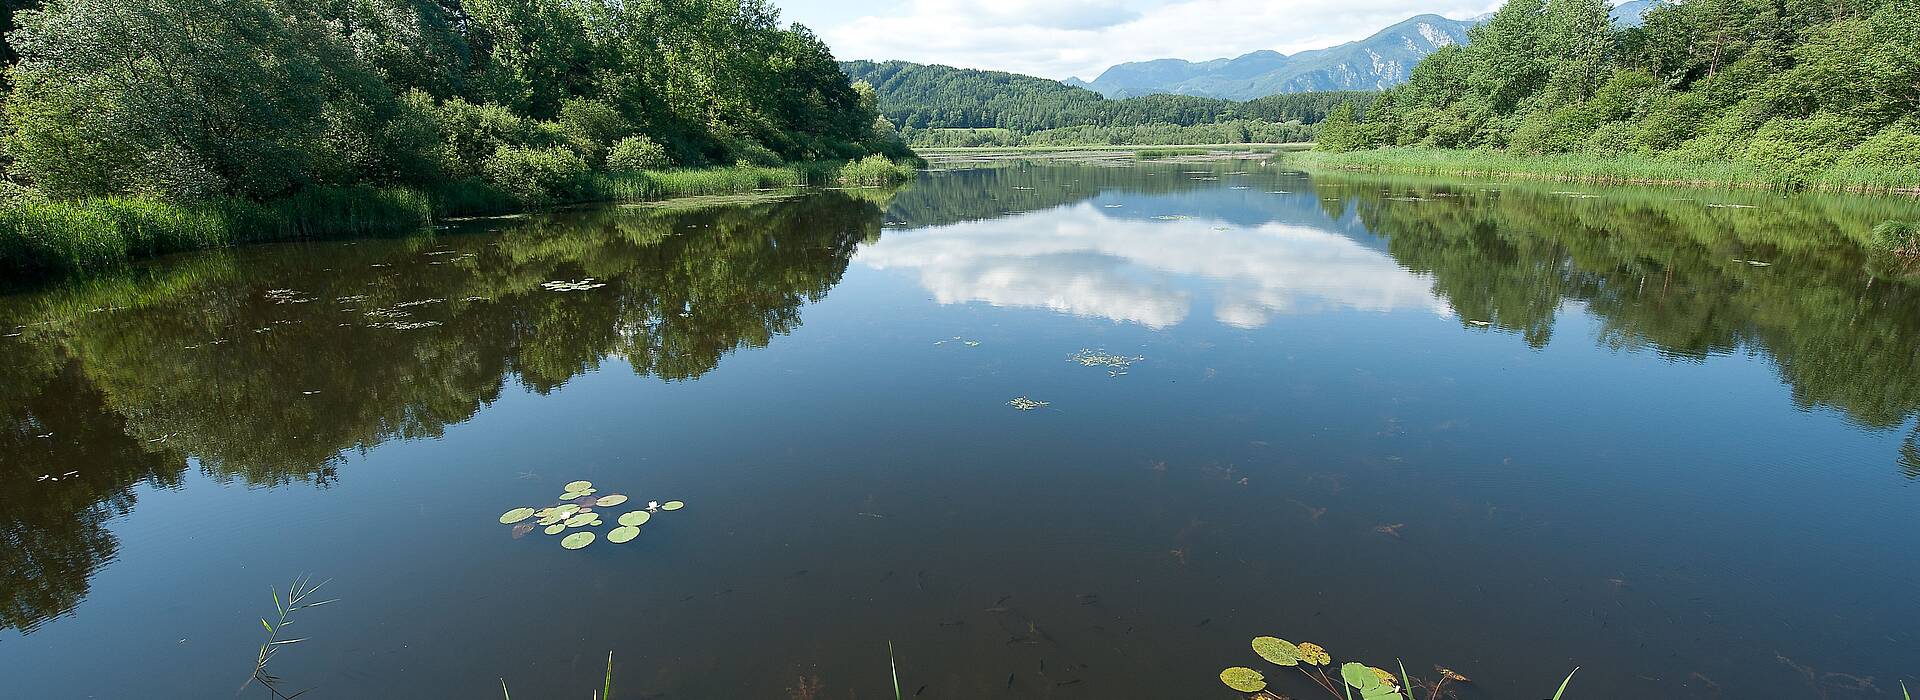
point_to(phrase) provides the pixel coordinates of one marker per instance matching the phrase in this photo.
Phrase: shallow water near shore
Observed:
(1665, 435)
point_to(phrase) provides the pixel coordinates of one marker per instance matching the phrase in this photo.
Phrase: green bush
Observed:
(747, 152)
(540, 177)
(1899, 237)
(1897, 146)
(875, 170)
(637, 153)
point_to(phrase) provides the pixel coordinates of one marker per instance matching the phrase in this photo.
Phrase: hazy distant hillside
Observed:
(917, 96)
(1376, 62)
(1634, 12)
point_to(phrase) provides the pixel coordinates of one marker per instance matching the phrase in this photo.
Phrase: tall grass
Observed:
(41, 236)
(875, 171)
(1899, 237)
(1625, 168)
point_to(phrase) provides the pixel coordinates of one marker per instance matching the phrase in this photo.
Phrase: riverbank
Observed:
(43, 238)
(1625, 169)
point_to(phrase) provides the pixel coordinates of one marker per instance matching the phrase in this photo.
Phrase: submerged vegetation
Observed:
(1797, 94)
(135, 127)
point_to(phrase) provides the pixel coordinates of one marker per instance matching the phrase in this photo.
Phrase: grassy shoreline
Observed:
(1638, 170)
(42, 238)
(1259, 147)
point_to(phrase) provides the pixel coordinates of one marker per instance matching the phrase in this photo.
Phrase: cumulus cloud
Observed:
(1083, 37)
(1081, 261)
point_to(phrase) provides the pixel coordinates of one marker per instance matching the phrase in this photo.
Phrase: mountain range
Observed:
(1380, 61)
(1376, 62)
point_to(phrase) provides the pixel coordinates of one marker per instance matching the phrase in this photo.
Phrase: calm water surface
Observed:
(1667, 436)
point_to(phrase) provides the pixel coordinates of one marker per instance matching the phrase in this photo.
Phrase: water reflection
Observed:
(264, 366)
(267, 365)
(1085, 261)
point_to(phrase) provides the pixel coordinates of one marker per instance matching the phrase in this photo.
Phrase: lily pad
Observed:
(610, 500)
(578, 485)
(580, 520)
(555, 528)
(521, 530)
(1278, 651)
(1315, 654)
(577, 540)
(622, 535)
(672, 505)
(515, 515)
(1373, 683)
(635, 518)
(1244, 679)
(572, 496)
(552, 518)
(566, 509)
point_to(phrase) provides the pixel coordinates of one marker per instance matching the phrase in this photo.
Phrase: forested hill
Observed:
(1798, 88)
(916, 96)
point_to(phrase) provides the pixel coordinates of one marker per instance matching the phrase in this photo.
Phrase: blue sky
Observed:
(1080, 38)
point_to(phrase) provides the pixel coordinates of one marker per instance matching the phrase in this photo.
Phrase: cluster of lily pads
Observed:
(1370, 682)
(577, 512)
(1355, 680)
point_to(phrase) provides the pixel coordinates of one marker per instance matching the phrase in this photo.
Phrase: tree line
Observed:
(916, 98)
(188, 100)
(1797, 87)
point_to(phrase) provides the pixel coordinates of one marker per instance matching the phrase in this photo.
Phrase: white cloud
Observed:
(1081, 261)
(1084, 37)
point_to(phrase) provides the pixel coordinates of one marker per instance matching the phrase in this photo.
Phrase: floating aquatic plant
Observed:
(1354, 681)
(1025, 404)
(1116, 364)
(575, 516)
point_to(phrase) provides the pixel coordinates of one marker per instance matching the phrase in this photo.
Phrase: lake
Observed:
(1666, 436)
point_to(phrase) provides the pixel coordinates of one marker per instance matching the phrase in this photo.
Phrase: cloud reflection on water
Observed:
(1081, 260)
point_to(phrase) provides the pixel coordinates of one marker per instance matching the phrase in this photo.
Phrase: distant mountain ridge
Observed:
(1376, 62)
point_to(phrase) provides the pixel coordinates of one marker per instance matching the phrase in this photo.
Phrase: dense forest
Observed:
(919, 99)
(1797, 88)
(478, 104)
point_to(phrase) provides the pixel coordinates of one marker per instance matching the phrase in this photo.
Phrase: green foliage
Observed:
(118, 106)
(927, 102)
(539, 177)
(40, 236)
(1900, 237)
(875, 170)
(636, 153)
(1791, 92)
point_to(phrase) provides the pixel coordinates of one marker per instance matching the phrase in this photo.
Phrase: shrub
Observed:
(1898, 237)
(590, 126)
(1897, 146)
(637, 153)
(875, 170)
(539, 176)
(748, 152)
